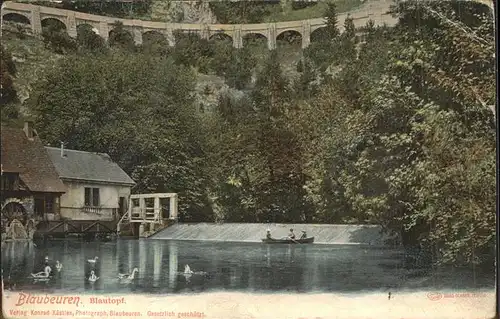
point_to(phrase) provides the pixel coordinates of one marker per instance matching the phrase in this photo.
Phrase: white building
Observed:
(96, 187)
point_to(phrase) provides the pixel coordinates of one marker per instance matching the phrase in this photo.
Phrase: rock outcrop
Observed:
(183, 11)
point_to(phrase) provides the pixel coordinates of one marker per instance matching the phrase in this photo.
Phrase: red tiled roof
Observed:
(30, 159)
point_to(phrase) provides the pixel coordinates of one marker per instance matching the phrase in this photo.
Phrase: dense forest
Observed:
(394, 128)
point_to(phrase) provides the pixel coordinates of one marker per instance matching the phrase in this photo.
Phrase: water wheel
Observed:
(13, 211)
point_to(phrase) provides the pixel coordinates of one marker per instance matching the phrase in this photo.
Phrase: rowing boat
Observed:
(308, 240)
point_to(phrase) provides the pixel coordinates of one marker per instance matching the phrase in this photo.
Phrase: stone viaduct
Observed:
(377, 11)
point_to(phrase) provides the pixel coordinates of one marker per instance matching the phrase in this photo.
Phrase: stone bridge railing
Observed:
(376, 11)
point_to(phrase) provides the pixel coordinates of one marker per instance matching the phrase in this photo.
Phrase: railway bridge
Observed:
(36, 16)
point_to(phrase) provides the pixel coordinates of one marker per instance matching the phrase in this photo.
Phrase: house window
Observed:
(44, 205)
(92, 197)
(49, 205)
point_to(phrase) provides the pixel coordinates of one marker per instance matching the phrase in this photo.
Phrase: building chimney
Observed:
(28, 129)
(62, 149)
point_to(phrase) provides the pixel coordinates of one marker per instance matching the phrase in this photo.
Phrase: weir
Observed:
(243, 232)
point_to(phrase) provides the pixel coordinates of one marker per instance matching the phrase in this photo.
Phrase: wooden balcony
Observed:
(150, 213)
(89, 213)
(146, 208)
(92, 210)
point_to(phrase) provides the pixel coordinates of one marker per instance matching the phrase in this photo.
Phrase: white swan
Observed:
(42, 275)
(131, 275)
(93, 277)
(93, 261)
(58, 265)
(128, 277)
(187, 270)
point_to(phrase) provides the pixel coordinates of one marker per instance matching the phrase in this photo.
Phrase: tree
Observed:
(348, 41)
(324, 51)
(282, 195)
(58, 40)
(119, 37)
(191, 50)
(453, 71)
(88, 40)
(240, 69)
(271, 88)
(331, 16)
(305, 85)
(8, 94)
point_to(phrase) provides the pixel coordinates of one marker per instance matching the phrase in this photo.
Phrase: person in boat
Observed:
(304, 235)
(291, 235)
(268, 234)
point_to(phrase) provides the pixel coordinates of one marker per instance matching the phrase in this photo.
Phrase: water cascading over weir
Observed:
(243, 232)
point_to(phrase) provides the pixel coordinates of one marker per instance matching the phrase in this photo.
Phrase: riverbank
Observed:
(424, 304)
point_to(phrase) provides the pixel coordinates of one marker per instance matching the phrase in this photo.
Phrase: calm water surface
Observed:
(226, 267)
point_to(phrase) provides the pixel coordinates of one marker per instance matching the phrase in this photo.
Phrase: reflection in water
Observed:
(226, 266)
(119, 259)
(143, 259)
(157, 259)
(173, 265)
(130, 254)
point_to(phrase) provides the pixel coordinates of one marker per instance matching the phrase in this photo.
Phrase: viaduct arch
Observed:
(377, 11)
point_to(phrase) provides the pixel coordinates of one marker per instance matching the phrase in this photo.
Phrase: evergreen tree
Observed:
(370, 30)
(348, 43)
(304, 87)
(349, 28)
(331, 15)
(271, 92)
(280, 188)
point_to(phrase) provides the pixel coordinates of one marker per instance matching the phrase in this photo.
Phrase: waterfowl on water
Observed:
(93, 261)
(187, 270)
(93, 277)
(42, 274)
(128, 277)
(58, 265)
